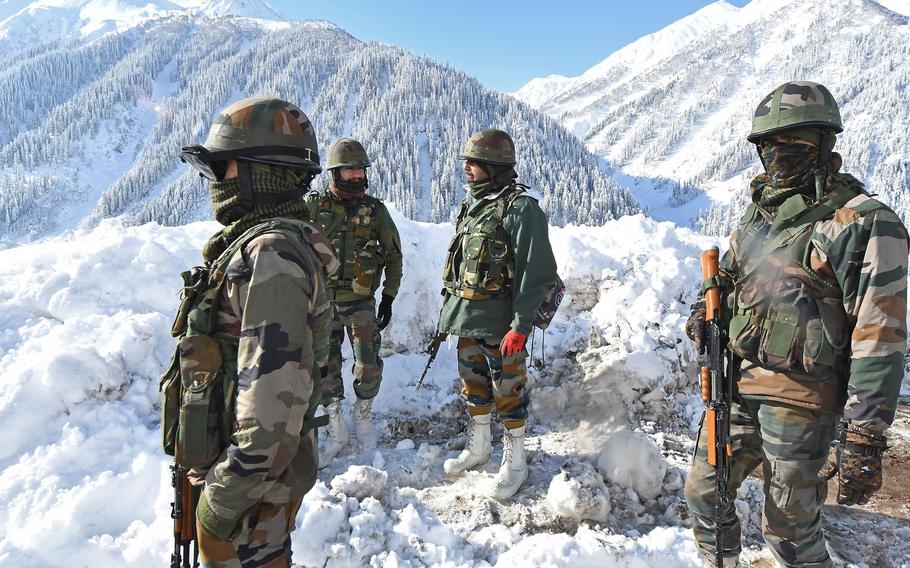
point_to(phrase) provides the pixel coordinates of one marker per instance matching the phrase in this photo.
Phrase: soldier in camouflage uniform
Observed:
(816, 281)
(260, 156)
(366, 242)
(498, 271)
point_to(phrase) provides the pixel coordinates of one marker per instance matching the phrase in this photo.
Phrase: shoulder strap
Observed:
(222, 261)
(505, 201)
(819, 211)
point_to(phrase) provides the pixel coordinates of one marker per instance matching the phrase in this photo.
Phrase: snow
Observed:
(630, 459)
(640, 54)
(899, 6)
(540, 89)
(24, 23)
(84, 334)
(670, 112)
(361, 481)
(86, 317)
(578, 492)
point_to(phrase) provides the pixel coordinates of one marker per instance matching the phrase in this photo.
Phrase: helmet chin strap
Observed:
(491, 172)
(245, 189)
(821, 172)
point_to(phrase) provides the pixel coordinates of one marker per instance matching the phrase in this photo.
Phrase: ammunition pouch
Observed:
(355, 240)
(785, 317)
(198, 389)
(480, 263)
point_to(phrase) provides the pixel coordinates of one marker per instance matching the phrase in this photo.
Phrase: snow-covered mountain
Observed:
(90, 127)
(24, 22)
(671, 111)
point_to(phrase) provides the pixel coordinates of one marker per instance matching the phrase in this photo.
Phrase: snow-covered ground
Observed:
(84, 334)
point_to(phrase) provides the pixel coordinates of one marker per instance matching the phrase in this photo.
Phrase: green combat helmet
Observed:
(795, 105)
(258, 129)
(347, 153)
(803, 109)
(491, 146)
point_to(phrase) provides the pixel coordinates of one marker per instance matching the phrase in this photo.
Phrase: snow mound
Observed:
(630, 459)
(361, 481)
(578, 492)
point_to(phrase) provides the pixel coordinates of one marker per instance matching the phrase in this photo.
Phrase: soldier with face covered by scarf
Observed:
(367, 243)
(254, 340)
(815, 282)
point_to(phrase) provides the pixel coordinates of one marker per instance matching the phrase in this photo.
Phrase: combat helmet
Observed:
(347, 153)
(796, 104)
(491, 146)
(257, 129)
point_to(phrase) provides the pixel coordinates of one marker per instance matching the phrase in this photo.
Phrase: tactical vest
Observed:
(355, 238)
(199, 388)
(480, 264)
(785, 316)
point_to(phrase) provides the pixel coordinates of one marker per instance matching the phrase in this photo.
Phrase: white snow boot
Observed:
(476, 450)
(514, 469)
(336, 435)
(363, 423)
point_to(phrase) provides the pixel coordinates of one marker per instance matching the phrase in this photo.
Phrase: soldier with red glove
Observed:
(498, 271)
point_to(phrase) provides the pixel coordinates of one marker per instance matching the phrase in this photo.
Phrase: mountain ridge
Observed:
(674, 132)
(70, 161)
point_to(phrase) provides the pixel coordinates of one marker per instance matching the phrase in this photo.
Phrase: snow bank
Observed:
(578, 492)
(84, 335)
(361, 481)
(631, 459)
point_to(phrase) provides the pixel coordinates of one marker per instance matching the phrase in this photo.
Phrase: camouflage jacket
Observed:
(365, 240)
(528, 270)
(275, 304)
(823, 314)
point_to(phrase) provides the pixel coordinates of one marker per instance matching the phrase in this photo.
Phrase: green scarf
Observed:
(266, 179)
(769, 194)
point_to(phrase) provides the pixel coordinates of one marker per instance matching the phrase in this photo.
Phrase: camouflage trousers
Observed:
(488, 378)
(791, 444)
(264, 540)
(358, 318)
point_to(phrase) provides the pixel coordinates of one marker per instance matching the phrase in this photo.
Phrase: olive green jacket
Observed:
(532, 268)
(365, 240)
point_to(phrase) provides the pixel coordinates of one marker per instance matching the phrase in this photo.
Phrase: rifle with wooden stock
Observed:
(183, 511)
(716, 391)
(432, 350)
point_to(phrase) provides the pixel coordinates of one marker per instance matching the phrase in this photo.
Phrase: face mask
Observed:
(225, 196)
(348, 190)
(789, 164)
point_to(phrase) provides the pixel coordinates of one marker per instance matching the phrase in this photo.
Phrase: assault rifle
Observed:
(716, 391)
(433, 350)
(183, 511)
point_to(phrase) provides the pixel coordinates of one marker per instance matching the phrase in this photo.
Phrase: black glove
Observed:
(858, 461)
(695, 326)
(384, 316)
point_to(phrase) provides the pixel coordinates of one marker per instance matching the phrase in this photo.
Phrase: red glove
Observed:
(512, 343)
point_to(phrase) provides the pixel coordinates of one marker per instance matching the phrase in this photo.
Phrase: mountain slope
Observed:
(25, 22)
(674, 125)
(93, 131)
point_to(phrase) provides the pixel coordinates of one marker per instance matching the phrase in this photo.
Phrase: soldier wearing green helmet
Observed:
(815, 282)
(498, 271)
(366, 241)
(241, 395)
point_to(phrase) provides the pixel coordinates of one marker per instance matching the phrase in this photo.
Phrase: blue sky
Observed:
(502, 43)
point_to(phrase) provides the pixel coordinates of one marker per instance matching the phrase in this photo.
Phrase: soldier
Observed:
(498, 271)
(366, 242)
(816, 281)
(274, 309)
